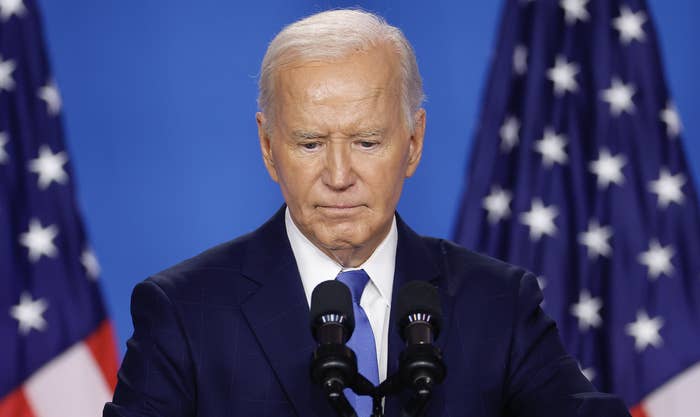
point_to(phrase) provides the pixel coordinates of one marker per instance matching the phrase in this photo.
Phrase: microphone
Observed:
(333, 365)
(332, 319)
(420, 320)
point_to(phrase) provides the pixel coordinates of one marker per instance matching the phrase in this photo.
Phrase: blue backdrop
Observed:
(159, 103)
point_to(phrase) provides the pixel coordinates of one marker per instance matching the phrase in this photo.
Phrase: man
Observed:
(226, 333)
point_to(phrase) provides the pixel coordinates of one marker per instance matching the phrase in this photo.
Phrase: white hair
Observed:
(333, 35)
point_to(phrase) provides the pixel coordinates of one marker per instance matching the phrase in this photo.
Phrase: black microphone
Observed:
(420, 319)
(332, 319)
(333, 364)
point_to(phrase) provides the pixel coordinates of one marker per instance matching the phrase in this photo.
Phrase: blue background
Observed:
(159, 103)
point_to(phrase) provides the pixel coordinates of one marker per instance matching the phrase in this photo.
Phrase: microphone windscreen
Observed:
(419, 297)
(332, 297)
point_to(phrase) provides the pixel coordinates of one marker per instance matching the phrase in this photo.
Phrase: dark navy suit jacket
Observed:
(226, 333)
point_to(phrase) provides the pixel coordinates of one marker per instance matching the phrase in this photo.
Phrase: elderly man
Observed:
(340, 126)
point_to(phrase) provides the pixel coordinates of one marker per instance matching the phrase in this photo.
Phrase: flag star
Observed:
(551, 146)
(7, 83)
(49, 93)
(562, 75)
(509, 133)
(520, 59)
(668, 188)
(645, 331)
(596, 239)
(39, 240)
(49, 167)
(630, 25)
(589, 373)
(574, 10)
(619, 96)
(29, 313)
(587, 311)
(541, 282)
(3, 153)
(657, 259)
(90, 263)
(497, 204)
(540, 219)
(11, 7)
(669, 115)
(608, 168)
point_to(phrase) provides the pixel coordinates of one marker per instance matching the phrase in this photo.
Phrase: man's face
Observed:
(340, 149)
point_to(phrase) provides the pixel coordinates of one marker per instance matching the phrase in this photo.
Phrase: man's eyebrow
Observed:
(305, 134)
(366, 133)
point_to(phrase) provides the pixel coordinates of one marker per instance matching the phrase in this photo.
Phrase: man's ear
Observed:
(415, 147)
(265, 145)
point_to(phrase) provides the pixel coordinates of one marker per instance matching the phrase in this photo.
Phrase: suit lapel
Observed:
(278, 316)
(414, 262)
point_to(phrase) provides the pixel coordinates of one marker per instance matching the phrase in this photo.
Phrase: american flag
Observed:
(57, 351)
(578, 174)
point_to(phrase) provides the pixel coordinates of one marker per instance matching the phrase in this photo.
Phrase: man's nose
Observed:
(339, 173)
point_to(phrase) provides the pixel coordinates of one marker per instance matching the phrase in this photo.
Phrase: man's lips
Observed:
(339, 209)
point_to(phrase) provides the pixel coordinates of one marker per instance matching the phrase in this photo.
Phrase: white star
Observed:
(3, 141)
(608, 168)
(657, 259)
(586, 310)
(541, 282)
(520, 59)
(619, 96)
(551, 146)
(509, 133)
(49, 93)
(90, 263)
(497, 204)
(645, 331)
(562, 75)
(630, 25)
(7, 83)
(39, 240)
(574, 10)
(596, 239)
(49, 167)
(668, 188)
(11, 7)
(669, 115)
(29, 313)
(540, 219)
(589, 373)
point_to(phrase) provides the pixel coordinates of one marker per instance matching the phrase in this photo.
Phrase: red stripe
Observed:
(638, 411)
(103, 347)
(15, 405)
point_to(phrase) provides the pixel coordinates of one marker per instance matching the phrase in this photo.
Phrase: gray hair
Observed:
(333, 35)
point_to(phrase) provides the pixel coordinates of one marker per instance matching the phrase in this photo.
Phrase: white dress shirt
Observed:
(316, 267)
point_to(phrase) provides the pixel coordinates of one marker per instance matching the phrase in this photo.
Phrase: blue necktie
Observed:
(362, 340)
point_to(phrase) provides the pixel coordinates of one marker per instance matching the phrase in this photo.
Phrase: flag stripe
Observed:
(676, 397)
(101, 345)
(15, 404)
(70, 385)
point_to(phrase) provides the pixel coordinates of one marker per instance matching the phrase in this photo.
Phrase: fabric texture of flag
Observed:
(578, 174)
(57, 355)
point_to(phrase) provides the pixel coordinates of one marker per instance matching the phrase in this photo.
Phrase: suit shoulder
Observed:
(220, 263)
(461, 265)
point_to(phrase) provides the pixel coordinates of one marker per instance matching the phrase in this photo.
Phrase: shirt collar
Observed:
(316, 267)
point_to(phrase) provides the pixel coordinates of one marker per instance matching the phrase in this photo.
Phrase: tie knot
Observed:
(356, 281)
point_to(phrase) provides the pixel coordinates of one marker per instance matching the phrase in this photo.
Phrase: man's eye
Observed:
(310, 145)
(368, 144)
